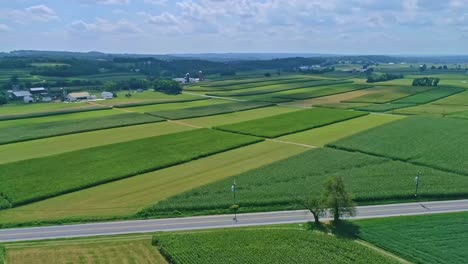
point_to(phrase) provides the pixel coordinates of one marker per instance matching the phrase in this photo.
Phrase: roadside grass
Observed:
(384, 107)
(430, 141)
(289, 123)
(61, 144)
(112, 249)
(275, 186)
(439, 238)
(209, 110)
(388, 93)
(37, 179)
(288, 244)
(126, 197)
(321, 136)
(321, 91)
(219, 120)
(429, 96)
(174, 106)
(26, 132)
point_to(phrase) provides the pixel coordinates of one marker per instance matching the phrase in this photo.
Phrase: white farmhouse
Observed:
(72, 97)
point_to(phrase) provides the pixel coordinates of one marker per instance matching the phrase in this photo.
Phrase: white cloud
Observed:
(4, 28)
(106, 2)
(37, 13)
(156, 2)
(103, 26)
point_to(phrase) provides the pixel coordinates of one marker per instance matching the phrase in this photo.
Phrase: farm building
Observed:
(107, 95)
(38, 90)
(20, 94)
(72, 97)
(28, 99)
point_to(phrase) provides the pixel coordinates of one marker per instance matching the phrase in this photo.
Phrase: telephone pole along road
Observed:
(220, 221)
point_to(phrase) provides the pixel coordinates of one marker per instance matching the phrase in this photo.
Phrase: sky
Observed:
(239, 26)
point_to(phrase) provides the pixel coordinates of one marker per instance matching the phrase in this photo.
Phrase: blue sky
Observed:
(195, 26)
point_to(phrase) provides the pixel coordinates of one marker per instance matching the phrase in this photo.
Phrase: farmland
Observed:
(174, 105)
(291, 122)
(322, 91)
(114, 163)
(289, 244)
(424, 239)
(273, 187)
(429, 96)
(387, 94)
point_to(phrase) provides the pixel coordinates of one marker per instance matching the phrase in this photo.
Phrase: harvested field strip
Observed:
(388, 94)
(334, 99)
(27, 181)
(61, 144)
(429, 96)
(327, 134)
(237, 117)
(280, 87)
(49, 129)
(209, 110)
(128, 196)
(430, 141)
(319, 92)
(267, 245)
(84, 108)
(161, 101)
(273, 187)
(383, 107)
(437, 238)
(289, 123)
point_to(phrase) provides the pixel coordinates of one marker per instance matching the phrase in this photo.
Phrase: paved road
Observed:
(219, 221)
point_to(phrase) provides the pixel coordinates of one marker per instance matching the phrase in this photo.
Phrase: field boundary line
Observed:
(382, 251)
(183, 123)
(216, 97)
(292, 143)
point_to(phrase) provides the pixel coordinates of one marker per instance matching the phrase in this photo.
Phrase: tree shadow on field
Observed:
(345, 229)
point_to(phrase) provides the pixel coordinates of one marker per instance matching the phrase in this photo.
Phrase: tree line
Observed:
(426, 81)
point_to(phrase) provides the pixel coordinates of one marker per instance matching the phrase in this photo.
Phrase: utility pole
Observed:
(416, 181)
(233, 189)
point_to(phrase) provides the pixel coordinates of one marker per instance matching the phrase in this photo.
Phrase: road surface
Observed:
(219, 221)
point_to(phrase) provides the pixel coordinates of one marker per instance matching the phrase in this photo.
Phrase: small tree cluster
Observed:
(167, 87)
(383, 77)
(3, 98)
(334, 198)
(426, 81)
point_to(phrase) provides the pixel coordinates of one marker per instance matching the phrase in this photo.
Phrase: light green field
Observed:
(236, 117)
(321, 136)
(388, 93)
(175, 106)
(56, 145)
(57, 118)
(114, 249)
(128, 196)
(457, 99)
(431, 109)
(13, 109)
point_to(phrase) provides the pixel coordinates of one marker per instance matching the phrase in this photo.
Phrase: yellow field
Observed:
(56, 145)
(115, 249)
(130, 195)
(320, 136)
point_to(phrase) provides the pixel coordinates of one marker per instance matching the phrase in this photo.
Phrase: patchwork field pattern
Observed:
(429, 96)
(275, 186)
(388, 94)
(321, 91)
(383, 107)
(289, 123)
(267, 245)
(32, 180)
(424, 239)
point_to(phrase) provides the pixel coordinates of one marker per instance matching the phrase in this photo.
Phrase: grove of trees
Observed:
(168, 87)
(426, 81)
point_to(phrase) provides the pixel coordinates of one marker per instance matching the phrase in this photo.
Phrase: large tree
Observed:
(338, 199)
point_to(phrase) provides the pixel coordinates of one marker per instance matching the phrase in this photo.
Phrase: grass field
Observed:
(32, 180)
(289, 123)
(383, 107)
(457, 99)
(429, 96)
(115, 249)
(432, 109)
(174, 105)
(343, 105)
(321, 91)
(323, 135)
(128, 196)
(145, 97)
(387, 94)
(273, 187)
(414, 139)
(422, 239)
(209, 110)
(61, 144)
(49, 129)
(236, 117)
(333, 99)
(287, 244)
(13, 110)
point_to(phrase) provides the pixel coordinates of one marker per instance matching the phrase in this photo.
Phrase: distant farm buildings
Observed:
(73, 97)
(107, 95)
